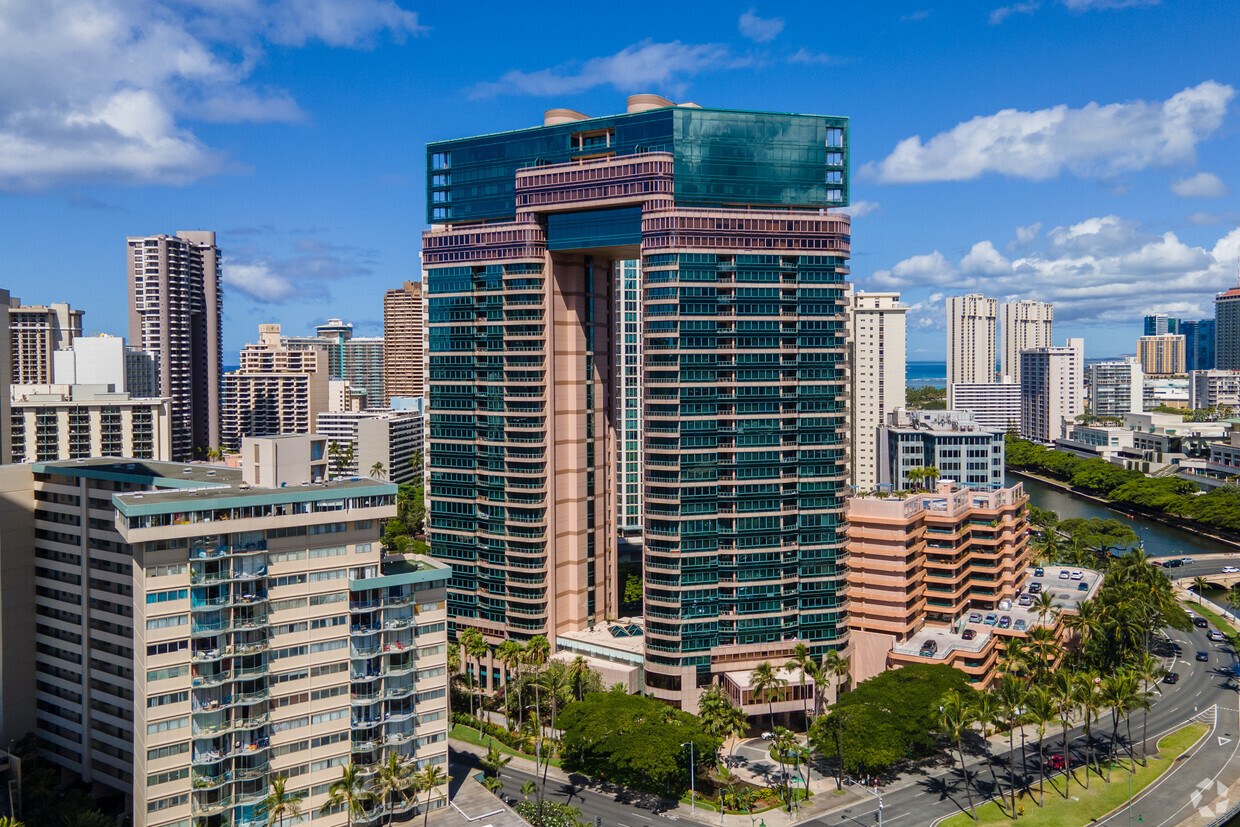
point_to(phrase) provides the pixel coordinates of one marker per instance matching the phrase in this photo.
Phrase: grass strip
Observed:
(469, 735)
(1083, 805)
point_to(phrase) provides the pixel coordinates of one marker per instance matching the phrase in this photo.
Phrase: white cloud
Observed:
(761, 30)
(1091, 142)
(105, 89)
(1101, 270)
(912, 17)
(1025, 236)
(1095, 5)
(306, 275)
(635, 67)
(858, 209)
(806, 57)
(1003, 12)
(1201, 185)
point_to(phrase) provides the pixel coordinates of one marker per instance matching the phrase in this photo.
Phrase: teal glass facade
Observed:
(717, 400)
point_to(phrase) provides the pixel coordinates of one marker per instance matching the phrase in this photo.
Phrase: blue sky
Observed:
(1085, 152)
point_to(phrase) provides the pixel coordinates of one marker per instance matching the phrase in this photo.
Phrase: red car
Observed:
(1057, 762)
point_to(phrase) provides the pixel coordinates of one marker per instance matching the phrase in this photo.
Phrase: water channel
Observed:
(1160, 540)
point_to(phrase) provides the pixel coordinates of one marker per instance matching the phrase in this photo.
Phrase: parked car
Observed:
(968, 634)
(1082, 587)
(1035, 588)
(1201, 622)
(1063, 574)
(1171, 678)
(928, 649)
(1020, 625)
(1039, 572)
(1025, 600)
(1077, 575)
(991, 619)
(975, 617)
(1230, 570)
(1005, 605)
(1005, 622)
(766, 736)
(1204, 657)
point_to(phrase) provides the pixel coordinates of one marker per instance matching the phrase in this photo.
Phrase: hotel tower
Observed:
(744, 460)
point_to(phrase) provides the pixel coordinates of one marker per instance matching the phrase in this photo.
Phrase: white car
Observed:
(1230, 570)
(766, 736)
(1076, 575)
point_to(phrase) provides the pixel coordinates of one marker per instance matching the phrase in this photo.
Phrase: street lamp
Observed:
(692, 781)
(874, 792)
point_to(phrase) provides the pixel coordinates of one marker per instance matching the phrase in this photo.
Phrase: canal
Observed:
(1160, 540)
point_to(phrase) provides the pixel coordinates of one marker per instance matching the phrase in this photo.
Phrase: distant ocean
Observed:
(926, 374)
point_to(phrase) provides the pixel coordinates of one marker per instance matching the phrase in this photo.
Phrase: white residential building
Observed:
(106, 360)
(1052, 389)
(972, 343)
(1214, 388)
(876, 328)
(995, 405)
(1116, 387)
(1025, 325)
(54, 422)
(379, 438)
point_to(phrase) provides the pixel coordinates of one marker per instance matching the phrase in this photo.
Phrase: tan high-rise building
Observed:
(876, 328)
(229, 627)
(972, 340)
(1024, 326)
(51, 422)
(404, 350)
(278, 388)
(1161, 355)
(175, 307)
(36, 332)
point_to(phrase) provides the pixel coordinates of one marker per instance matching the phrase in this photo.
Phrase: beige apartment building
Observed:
(278, 388)
(52, 422)
(403, 350)
(1161, 355)
(197, 635)
(876, 350)
(36, 332)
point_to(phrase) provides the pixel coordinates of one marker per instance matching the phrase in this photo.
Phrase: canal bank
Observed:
(1161, 538)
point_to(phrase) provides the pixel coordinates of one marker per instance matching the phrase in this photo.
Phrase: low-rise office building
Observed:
(995, 405)
(384, 443)
(1214, 389)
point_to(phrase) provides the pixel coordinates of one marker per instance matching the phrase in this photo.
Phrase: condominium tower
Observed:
(629, 394)
(1227, 330)
(175, 306)
(279, 388)
(403, 348)
(1024, 325)
(1158, 324)
(745, 416)
(972, 342)
(876, 329)
(36, 333)
(1116, 387)
(1052, 389)
(1161, 355)
(1199, 344)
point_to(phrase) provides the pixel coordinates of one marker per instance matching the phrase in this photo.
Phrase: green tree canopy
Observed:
(888, 717)
(1100, 534)
(633, 740)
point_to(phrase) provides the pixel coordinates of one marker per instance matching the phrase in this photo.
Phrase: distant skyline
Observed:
(1082, 152)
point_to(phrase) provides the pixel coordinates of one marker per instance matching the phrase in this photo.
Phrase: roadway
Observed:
(1206, 691)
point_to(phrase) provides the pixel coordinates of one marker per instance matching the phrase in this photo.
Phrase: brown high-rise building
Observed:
(402, 340)
(175, 301)
(36, 332)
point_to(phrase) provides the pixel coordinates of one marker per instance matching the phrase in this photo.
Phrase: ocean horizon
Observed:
(926, 374)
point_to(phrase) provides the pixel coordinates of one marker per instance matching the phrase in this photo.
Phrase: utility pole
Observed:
(874, 792)
(692, 780)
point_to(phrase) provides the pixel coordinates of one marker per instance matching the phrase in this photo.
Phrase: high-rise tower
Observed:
(1227, 330)
(175, 304)
(876, 328)
(403, 347)
(971, 340)
(1025, 325)
(745, 417)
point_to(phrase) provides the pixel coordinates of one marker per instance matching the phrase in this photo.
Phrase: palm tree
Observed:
(835, 665)
(1014, 656)
(476, 648)
(393, 777)
(493, 784)
(1063, 690)
(932, 474)
(1086, 622)
(528, 789)
(784, 744)
(1044, 644)
(510, 654)
(429, 781)
(280, 804)
(578, 672)
(767, 686)
(713, 708)
(914, 476)
(955, 718)
(985, 710)
(1044, 606)
(1200, 584)
(495, 761)
(415, 462)
(555, 681)
(1087, 699)
(1233, 599)
(1011, 695)
(377, 471)
(803, 660)
(1041, 705)
(537, 650)
(350, 791)
(733, 724)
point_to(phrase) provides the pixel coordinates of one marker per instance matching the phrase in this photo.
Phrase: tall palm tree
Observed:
(835, 665)
(1044, 606)
(1063, 690)
(1087, 700)
(429, 781)
(528, 789)
(476, 649)
(393, 778)
(350, 791)
(555, 681)
(578, 672)
(986, 711)
(955, 717)
(377, 471)
(1043, 644)
(803, 660)
(1086, 622)
(1200, 584)
(733, 724)
(537, 650)
(1042, 707)
(767, 686)
(1014, 656)
(280, 804)
(1011, 694)
(495, 761)
(713, 706)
